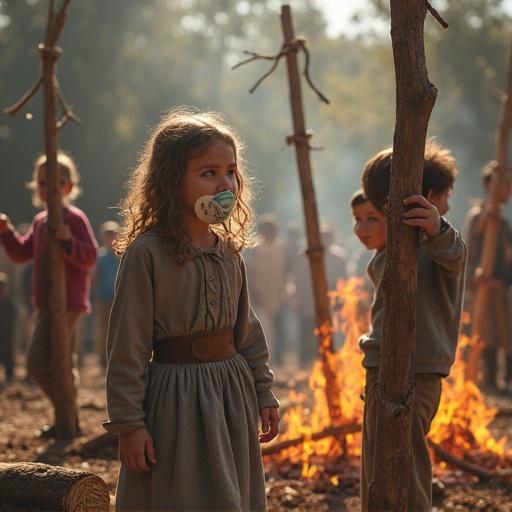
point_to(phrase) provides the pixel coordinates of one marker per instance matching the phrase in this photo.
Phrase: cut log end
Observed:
(90, 494)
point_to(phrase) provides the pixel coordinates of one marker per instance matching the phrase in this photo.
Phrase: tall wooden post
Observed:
(315, 249)
(415, 98)
(64, 389)
(492, 227)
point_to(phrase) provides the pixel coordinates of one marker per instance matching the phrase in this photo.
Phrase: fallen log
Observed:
(342, 430)
(468, 467)
(51, 488)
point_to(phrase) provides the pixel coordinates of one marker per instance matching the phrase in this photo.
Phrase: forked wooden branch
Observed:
(436, 14)
(299, 43)
(53, 31)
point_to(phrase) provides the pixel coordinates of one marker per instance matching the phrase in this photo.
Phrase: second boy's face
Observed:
(212, 172)
(370, 226)
(440, 201)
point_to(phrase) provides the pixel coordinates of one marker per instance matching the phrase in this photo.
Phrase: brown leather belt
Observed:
(204, 347)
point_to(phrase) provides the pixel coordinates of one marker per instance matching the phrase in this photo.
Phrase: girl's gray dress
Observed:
(203, 417)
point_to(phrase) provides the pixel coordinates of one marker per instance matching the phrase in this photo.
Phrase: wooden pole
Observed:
(492, 227)
(315, 250)
(66, 413)
(64, 393)
(415, 98)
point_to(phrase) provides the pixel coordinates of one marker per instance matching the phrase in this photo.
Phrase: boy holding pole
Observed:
(441, 264)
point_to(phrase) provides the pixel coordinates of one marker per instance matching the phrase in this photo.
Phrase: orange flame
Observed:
(461, 424)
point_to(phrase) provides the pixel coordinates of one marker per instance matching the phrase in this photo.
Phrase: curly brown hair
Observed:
(153, 197)
(439, 173)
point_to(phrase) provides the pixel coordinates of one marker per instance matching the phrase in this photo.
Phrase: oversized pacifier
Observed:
(215, 209)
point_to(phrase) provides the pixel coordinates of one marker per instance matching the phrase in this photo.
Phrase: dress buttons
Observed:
(210, 278)
(212, 303)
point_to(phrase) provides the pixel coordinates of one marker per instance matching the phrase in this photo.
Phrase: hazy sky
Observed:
(338, 13)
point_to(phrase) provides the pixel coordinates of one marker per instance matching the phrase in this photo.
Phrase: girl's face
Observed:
(212, 172)
(370, 226)
(42, 187)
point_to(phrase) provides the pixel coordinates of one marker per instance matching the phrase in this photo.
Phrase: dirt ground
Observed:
(23, 409)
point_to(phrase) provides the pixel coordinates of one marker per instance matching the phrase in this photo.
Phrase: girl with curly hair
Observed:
(188, 370)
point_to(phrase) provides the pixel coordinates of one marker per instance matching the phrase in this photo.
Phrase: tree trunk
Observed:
(51, 488)
(415, 98)
(315, 249)
(492, 227)
(64, 388)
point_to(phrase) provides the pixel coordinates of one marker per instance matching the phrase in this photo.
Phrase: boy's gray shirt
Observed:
(441, 271)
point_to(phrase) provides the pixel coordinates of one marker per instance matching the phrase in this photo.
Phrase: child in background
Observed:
(266, 268)
(79, 250)
(104, 281)
(441, 265)
(7, 322)
(496, 330)
(188, 366)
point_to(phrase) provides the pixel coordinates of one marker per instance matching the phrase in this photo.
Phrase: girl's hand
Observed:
(423, 215)
(269, 423)
(5, 224)
(136, 450)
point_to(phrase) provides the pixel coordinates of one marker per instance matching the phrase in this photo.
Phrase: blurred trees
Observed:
(125, 62)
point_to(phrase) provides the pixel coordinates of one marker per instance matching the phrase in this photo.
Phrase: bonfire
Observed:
(460, 428)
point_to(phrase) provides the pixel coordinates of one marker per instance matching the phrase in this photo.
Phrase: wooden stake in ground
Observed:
(492, 227)
(64, 391)
(315, 250)
(415, 98)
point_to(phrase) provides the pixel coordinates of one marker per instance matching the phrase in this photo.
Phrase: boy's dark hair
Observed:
(358, 198)
(439, 173)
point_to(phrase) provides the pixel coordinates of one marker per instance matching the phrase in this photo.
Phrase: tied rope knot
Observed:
(314, 250)
(49, 52)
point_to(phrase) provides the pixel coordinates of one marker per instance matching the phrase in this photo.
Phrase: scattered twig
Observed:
(436, 14)
(342, 430)
(468, 467)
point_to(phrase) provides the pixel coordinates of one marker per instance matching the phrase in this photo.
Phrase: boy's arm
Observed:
(130, 342)
(251, 344)
(448, 249)
(82, 249)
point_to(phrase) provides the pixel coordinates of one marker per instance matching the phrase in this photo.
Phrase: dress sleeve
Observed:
(130, 341)
(251, 344)
(84, 248)
(448, 249)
